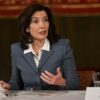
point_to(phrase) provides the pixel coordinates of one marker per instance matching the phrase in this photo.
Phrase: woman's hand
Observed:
(53, 79)
(4, 85)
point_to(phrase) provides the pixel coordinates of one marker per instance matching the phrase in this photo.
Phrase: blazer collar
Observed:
(44, 57)
(29, 58)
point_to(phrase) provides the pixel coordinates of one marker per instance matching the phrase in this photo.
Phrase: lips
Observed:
(42, 32)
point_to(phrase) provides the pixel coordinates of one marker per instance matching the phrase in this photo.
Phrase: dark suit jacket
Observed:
(25, 74)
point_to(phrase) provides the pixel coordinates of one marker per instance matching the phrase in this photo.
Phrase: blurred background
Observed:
(78, 20)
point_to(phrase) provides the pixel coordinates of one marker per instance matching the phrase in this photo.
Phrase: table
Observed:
(45, 95)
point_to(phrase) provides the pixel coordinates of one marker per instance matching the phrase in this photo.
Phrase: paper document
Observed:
(92, 93)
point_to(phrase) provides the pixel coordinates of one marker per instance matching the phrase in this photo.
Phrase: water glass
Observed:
(96, 79)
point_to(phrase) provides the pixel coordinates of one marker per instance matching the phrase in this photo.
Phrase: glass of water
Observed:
(96, 79)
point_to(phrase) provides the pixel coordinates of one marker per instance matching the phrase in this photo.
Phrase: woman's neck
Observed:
(37, 45)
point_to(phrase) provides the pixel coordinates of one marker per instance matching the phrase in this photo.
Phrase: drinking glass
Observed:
(96, 79)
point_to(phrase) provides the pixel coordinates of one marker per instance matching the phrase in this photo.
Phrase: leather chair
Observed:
(86, 78)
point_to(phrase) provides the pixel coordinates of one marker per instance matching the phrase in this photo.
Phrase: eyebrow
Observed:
(38, 18)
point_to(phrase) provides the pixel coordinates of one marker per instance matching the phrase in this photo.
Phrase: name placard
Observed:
(92, 93)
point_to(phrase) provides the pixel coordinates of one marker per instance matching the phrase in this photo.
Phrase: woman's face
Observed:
(39, 25)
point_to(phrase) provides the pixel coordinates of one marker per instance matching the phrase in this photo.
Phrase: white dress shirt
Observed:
(36, 57)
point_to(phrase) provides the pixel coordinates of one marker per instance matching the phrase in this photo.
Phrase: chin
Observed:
(43, 38)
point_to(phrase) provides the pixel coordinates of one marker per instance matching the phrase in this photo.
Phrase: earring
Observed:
(27, 30)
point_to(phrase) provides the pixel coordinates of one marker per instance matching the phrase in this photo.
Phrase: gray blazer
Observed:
(26, 75)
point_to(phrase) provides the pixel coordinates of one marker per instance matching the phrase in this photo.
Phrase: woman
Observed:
(42, 60)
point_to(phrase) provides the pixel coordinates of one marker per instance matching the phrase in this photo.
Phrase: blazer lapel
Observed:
(29, 58)
(45, 56)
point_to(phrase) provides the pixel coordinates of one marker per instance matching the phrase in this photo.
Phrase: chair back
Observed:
(86, 78)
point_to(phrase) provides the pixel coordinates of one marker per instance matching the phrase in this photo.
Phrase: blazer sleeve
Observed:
(69, 68)
(15, 80)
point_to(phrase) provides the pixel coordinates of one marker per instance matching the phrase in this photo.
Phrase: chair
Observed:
(86, 78)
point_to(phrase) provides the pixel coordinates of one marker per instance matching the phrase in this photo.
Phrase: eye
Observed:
(34, 21)
(46, 19)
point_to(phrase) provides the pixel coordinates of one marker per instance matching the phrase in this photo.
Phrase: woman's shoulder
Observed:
(63, 41)
(15, 46)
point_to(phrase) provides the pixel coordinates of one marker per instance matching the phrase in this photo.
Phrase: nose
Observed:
(42, 24)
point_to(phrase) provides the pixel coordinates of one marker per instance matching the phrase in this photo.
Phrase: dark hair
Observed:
(25, 19)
